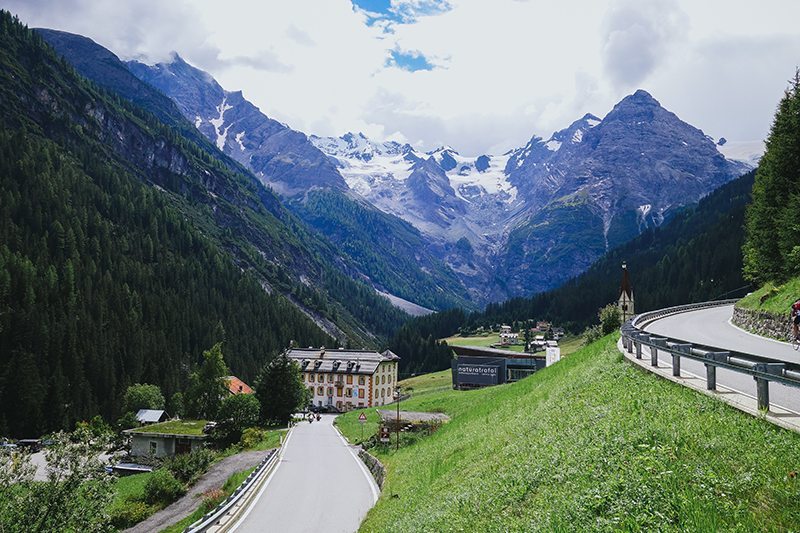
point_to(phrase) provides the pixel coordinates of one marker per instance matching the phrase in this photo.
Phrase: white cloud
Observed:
(505, 70)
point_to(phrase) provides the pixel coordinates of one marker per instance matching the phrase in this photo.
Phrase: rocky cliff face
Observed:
(281, 157)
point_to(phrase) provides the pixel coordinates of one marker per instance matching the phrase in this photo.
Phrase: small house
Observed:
(167, 438)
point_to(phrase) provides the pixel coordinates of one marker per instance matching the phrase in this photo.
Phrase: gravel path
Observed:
(213, 479)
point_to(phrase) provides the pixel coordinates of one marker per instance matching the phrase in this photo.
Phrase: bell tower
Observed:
(625, 301)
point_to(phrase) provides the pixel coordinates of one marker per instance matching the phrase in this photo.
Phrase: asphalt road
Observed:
(712, 327)
(319, 485)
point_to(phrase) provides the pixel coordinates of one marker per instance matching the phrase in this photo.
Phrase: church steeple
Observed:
(625, 301)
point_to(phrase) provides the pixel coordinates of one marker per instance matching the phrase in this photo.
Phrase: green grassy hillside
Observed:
(776, 299)
(589, 444)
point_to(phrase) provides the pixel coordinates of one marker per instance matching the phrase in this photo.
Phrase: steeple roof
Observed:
(626, 287)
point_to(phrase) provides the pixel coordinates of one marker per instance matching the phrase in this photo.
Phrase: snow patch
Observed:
(644, 210)
(222, 135)
(592, 122)
(553, 145)
(577, 136)
(197, 121)
(239, 137)
(748, 152)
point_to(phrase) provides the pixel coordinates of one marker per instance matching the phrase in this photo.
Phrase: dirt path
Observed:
(213, 479)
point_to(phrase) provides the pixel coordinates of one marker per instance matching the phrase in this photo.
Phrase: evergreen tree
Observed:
(772, 246)
(280, 390)
(207, 385)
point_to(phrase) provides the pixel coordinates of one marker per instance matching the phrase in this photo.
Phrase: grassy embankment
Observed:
(591, 443)
(777, 299)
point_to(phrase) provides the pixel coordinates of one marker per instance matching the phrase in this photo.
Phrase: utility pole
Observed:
(397, 422)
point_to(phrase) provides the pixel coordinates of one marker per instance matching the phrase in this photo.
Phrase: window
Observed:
(320, 390)
(330, 378)
(330, 391)
(321, 378)
(339, 392)
(361, 404)
(360, 380)
(349, 380)
(348, 392)
(311, 378)
(360, 393)
(153, 447)
(383, 393)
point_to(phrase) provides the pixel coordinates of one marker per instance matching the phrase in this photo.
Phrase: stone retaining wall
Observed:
(374, 466)
(762, 323)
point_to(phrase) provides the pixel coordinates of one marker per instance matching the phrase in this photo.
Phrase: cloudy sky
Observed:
(482, 76)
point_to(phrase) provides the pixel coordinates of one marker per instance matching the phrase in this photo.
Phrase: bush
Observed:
(592, 334)
(189, 466)
(128, 514)
(610, 319)
(162, 488)
(251, 437)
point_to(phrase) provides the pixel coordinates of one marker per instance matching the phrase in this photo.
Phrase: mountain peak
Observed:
(641, 97)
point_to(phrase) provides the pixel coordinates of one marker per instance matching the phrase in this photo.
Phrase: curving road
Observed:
(712, 327)
(318, 485)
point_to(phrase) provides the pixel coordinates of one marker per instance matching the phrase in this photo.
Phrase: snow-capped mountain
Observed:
(503, 224)
(544, 212)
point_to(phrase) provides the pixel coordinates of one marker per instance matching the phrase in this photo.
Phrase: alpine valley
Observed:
(437, 229)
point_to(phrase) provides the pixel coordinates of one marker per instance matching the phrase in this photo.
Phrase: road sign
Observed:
(362, 418)
(384, 434)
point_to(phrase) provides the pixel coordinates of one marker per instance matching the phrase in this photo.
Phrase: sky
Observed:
(481, 76)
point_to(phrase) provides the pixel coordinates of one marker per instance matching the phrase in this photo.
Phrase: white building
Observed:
(347, 379)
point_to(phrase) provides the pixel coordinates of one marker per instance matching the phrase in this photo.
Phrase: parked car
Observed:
(31, 445)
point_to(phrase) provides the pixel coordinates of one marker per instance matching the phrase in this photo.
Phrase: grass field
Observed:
(568, 344)
(483, 340)
(777, 299)
(591, 443)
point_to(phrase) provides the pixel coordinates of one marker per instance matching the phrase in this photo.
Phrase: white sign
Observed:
(553, 355)
(362, 418)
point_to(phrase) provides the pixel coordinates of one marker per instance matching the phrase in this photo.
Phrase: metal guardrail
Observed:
(763, 369)
(211, 518)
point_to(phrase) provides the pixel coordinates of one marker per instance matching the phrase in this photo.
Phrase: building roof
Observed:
(150, 416)
(192, 429)
(339, 360)
(237, 386)
(482, 351)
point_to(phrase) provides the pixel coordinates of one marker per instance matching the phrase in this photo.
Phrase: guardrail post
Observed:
(639, 339)
(762, 393)
(658, 341)
(676, 357)
(711, 368)
(762, 384)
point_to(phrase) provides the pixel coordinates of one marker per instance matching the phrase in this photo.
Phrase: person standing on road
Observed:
(796, 319)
